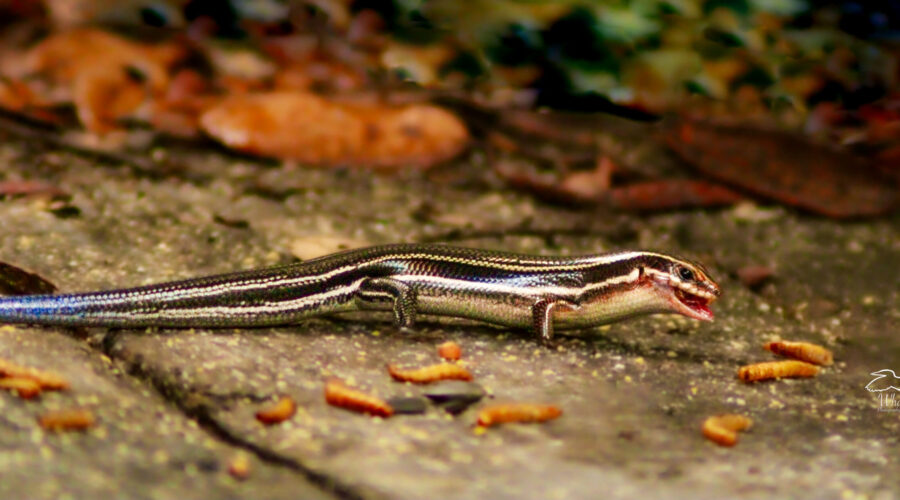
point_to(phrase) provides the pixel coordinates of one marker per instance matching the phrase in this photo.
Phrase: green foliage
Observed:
(656, 52)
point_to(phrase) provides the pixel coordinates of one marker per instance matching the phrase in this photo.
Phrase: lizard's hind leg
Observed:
(376, 291)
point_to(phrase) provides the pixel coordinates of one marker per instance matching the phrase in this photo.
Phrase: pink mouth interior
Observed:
(698, 305)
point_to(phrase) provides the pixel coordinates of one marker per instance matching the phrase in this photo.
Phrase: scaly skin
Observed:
(502, 288)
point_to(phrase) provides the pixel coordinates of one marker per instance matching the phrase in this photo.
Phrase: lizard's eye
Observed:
(685, 274)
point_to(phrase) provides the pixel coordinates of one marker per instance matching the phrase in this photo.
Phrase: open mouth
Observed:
(695, 306)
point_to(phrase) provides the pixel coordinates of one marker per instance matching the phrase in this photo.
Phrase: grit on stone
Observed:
(174, 406)
(140, 446)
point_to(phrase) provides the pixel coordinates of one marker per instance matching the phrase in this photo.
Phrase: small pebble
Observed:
(454, 389)
(454, 396)
(754, 276)
(456, 406)
(408, 405)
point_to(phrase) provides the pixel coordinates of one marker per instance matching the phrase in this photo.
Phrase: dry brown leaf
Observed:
(15, 95)
(754, 276)
(786, 168)
(314, 130)
(178, 111)
(106, 76)
(19, 97)
(104, 95)
(66, 55)
(319, 74)
(30, 188)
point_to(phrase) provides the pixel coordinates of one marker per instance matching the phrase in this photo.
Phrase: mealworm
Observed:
(517, 412)
(67, 420)
(450, 351)
(429, 374)
(723, 429)
(804, 351)
(239, 467)
(338, 394)
(25, 387)
(47, 380)
(776, 369)
(278, 412)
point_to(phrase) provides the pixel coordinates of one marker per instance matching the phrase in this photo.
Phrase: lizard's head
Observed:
(684, 285)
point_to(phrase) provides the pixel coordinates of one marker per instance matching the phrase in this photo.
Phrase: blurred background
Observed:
(146, 141)
(789, 101)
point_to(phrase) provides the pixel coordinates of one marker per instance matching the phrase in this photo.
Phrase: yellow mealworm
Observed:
(517, 412)
(450, 351)
(723, 429)
(338, 394)
(47, 380)
(25, 387)
(279, 412)
(776, 369)
(67, 420)
(428, 374)
(804, 351)
(239, 467)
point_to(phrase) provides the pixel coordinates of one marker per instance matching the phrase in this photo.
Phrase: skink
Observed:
(520, 291)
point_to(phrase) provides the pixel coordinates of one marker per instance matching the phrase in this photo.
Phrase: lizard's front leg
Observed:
(542, 316)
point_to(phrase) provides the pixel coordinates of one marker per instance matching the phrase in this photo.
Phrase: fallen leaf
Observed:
(66, 55)
(785, 168)
(754, 276)
(315, 130)
(15, 95)
(30, 188)
(17, 281)
(104, 95)
(18, 97)
(178, 111)
(593, 187)
(671, 194)
(106, 76)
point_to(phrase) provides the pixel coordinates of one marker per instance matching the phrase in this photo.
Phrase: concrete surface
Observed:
(174, 406)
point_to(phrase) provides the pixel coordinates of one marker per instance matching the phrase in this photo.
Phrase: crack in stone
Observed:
(194, 408)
